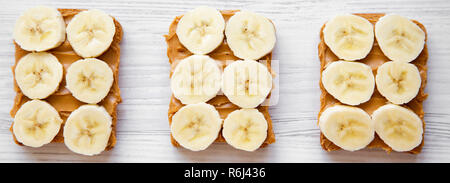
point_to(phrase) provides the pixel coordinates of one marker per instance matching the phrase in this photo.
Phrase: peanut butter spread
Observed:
(176, 52)
(374, 59)
(62, 100)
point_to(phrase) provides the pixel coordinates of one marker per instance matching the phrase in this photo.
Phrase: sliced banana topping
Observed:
(89, 80)
(196, 126)
(39, 29)
(196, 79)
(201, 30)
(36, 123)
(399, 82)
(246, 83)
(38, 74)
(400, 128)
(250, 35)
(350, 37)
(351, 83)
(347, 127)
(87, 130)
(245, 129)
(91, 32)
(399, 38)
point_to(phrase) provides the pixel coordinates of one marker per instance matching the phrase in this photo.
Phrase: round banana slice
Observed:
(399, 38)
(399, 82)
(39, 29)
(196, 79)
(246, 83)
(351, 83)
(400, 128)
(245, 129)
(91, 32)
(38, 74)
(350, 37)
(89, 80)
(36, 123)
(196, 126)
(201, 30)
(87, 130)
(250, 35)
(347, 127)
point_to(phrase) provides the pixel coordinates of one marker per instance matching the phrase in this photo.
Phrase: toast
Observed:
(374, 59)
(62, 100)
(176, 52)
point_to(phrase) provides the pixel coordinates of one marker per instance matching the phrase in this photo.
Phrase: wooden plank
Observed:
(143, 131)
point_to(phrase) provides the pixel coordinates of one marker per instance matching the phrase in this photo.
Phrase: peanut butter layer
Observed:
(62, 100)
(223, 56)
(374, 59)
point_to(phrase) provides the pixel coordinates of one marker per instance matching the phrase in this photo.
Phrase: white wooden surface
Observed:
(143, 130)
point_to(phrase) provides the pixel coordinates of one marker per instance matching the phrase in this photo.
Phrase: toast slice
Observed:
(176, 52)
(62, 100)
(374, 59)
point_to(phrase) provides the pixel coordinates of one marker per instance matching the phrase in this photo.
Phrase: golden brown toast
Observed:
(176, 52)
(374, 59)
(62, 100)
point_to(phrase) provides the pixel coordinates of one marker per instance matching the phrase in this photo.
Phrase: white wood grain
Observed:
(143, 130)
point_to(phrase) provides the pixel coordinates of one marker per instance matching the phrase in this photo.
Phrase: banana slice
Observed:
(399, 82)
(91, 32)
(250, 35)
(87, 130)
(201, 30)
(350, 37)
(400, 128)
(347, 127)
(39, 29)
(89, 80)
(399, 38)
(245, 129)
(196, 126)
(351, 83)
(38, 74)
(196, 79)
(246, 83)
(36, 123)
